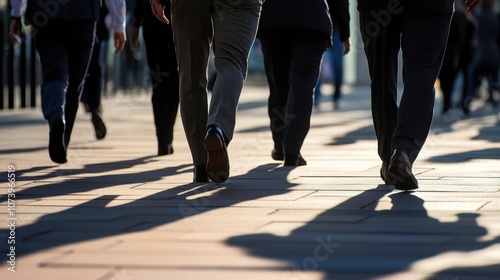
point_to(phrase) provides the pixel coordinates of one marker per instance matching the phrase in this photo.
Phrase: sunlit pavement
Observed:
(116, 211)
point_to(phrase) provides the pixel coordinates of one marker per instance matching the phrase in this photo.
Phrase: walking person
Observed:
(162, 63)
(293, 38)
(386, 27)
(496, 76)
(487, 59)
(466, 57)
(64, 38)
(231, 27)
(94, 82)
(335, 57)
(451, 61)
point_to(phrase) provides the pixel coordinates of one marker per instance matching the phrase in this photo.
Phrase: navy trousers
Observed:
(64, 47)
(292, 59)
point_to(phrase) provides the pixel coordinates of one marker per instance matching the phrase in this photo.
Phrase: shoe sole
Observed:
(402, 178)
(277, 156)
(57, 151)
(99, 127)
(218, 160)
(165, 151)
(297, 162)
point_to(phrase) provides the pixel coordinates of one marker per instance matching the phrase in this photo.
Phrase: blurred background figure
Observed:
(466, 56)
(457, 44)
(486, 61)
(496, 76)
(162, 62)
(334, 57)
(96, 76)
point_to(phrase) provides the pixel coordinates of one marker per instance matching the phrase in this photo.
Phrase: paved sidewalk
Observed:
(116, 211)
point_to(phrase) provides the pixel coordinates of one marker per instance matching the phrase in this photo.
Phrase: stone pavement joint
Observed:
(116, 211)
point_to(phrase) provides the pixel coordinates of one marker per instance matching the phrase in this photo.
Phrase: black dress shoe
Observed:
(383, 172)
(99, 127)
(400, 172)
(200, 173)
(277, 155)
(165, 149)
(217, 159)
(57, 149)
(294, 160)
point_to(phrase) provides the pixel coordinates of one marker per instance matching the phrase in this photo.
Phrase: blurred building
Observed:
(128, 70)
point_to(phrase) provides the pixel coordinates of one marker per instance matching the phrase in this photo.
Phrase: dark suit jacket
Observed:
(311, 14)
(371, 4)
(38, 12)
(339, 11)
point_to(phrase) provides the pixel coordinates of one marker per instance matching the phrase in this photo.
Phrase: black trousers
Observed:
(448, 73)
(64, 47)
(449, 69)
(420, 29)
(92, 91)
(292, 59)
(162, 62)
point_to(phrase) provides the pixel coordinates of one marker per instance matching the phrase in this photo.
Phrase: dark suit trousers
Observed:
(162, 62)
(448, 74)
(420, 29)
(64, 47)
(230, 27)
(92, 90)
(292, 60)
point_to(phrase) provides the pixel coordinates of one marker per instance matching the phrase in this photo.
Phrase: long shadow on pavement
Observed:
(488, 133)
(68, 181)
(355, 241)
(99, 217)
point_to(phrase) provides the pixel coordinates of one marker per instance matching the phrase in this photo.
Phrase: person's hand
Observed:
(135, 44)
(120, 39)
(15, 30)
(472, 4)
(157, 9)
(347, 46)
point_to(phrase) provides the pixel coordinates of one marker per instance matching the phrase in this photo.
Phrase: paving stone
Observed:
(44, 273)
(117, 211)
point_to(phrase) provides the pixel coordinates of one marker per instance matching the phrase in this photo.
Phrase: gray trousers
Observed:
(231, 26)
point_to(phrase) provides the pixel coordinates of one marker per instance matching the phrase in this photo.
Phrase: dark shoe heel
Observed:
(218, 160)
(57, 149)
(99, 126)
(200, 173)
(213, 143)
(383, 173)
(400, 172)
(165, 149)
(294, 160)
(277, 155)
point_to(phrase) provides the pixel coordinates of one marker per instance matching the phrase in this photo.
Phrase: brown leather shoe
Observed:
(400, 172)
(218, 160)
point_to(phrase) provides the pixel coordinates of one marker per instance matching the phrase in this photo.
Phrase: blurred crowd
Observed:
(470, 70)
